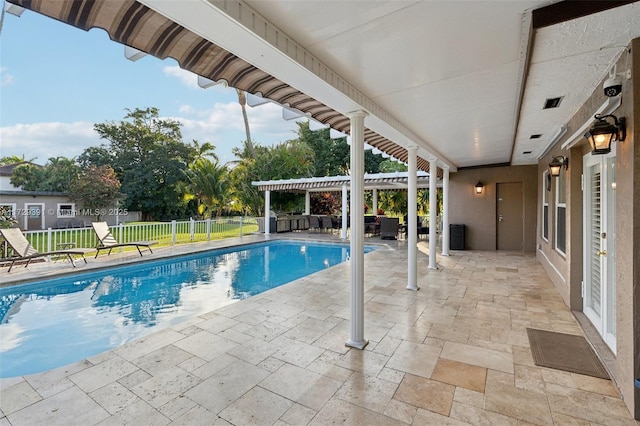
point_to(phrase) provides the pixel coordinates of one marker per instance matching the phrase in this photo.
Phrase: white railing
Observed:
(165, 233)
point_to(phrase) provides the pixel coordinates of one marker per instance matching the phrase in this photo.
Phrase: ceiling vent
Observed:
(526, 152)
(552, 103)
(536, 136)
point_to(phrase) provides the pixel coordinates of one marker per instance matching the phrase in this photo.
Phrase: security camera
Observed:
(613, 86)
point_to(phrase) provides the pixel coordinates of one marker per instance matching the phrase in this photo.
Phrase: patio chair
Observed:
(389, 227)
(23, 250)
(106, 240)
(314, 223)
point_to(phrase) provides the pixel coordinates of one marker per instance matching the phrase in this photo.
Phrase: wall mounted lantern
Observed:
(556, 165)
(479, 188)
(602, 133)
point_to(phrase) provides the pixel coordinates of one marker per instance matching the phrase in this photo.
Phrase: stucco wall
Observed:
(478, 212)
(567, 272)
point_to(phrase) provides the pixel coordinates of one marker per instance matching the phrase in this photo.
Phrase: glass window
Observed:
(561, 209)
(545, 206)
(66, 210)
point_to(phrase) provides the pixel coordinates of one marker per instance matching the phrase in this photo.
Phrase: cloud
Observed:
(222, 125)
(187, 78)
(6, 79)
(45, 140)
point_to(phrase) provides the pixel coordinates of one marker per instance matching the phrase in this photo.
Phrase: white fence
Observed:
(165, 233)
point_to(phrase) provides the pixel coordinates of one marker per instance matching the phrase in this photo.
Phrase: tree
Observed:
(97, 188)
(333, 156)
(209, 183)
(242, 100)
(149, 158)
(13, 159)
(288, 160)
(55, 176)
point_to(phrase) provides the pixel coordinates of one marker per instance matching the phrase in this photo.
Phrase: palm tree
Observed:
(208, 182)
(242, 100)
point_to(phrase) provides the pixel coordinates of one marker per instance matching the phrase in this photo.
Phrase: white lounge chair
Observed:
(106, 240)
(23, 250)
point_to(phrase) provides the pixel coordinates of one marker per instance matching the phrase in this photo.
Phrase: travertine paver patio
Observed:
(455, 352)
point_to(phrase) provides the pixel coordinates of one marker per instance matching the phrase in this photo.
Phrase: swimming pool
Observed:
(55, 322)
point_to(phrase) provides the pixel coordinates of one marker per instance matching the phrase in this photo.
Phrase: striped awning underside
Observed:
(335, 183)
(134, 24)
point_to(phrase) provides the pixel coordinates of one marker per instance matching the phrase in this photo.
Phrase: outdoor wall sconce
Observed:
(556, 165)
(479, 188)
(602, 133)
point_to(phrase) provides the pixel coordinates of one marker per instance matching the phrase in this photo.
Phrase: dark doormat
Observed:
(566, 352)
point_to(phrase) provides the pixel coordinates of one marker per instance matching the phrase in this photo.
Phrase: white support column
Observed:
(267, 210)
(374, 201)
(412, 218)
(356, 339)
(433, 212)
(445, 211)
(343, 232)
(307, 203)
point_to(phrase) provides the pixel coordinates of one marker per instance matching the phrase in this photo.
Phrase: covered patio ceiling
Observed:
(466, 82)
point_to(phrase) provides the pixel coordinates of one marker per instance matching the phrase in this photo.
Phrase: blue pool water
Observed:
(55, 322)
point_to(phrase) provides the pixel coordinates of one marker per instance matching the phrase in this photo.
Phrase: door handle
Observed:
(601, 252)
(500, 218)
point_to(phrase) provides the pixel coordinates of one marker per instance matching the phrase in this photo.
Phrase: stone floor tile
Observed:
(459, 374)
(200, 416)
(54, 381)
(165, 386)
(71, 405)
(529, 378)
(480, 417)
(364, 362)
(227, 385)
(18, 396)
(137, 413)
(305, 387)
(368, 392)
(337, 411)
(330, 370)
(114, 397)
(296, 352)
(102, 374)
(391, 375)
(177, 407)
(161, 359)
(562, 419)
(415, 358)
(148, 344)
(481, 357)
(400, 411)
(426, 417)
(426, 393)
(588, 406)
(271, 364)
(205, 345)
(256, 407)
(518, 403)
(298, 415)
(254, 351)
(469, 397)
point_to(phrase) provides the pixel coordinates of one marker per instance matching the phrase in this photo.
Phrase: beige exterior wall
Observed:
(566, 272)
(478, 212)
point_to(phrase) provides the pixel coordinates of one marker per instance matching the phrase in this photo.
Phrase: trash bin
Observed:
(456, 237)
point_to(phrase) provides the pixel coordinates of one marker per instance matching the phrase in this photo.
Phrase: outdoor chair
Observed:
(314, 223)
(106, 240)
(23, 250)
(389, 227)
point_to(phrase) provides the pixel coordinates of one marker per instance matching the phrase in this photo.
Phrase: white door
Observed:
(599, 244)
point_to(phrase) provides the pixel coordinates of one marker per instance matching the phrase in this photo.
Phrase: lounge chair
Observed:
(389, 227)
(23, 250)
(106, 240)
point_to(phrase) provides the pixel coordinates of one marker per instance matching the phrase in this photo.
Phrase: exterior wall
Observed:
(566, 272)
(478, 212)
(50, 208)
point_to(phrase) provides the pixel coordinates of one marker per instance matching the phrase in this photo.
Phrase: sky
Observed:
(57, 81)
